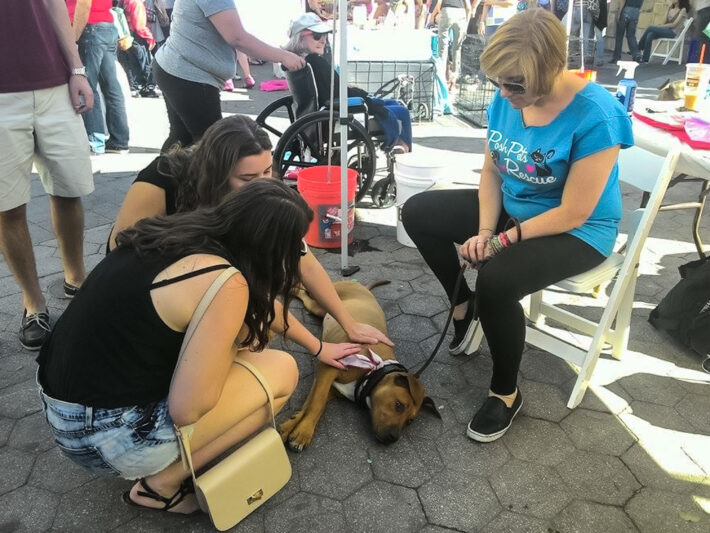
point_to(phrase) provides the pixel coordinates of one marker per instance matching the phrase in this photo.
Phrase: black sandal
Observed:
(186, 487)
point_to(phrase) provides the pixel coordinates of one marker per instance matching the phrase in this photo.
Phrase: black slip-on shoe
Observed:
(34, 330)
(493, 419)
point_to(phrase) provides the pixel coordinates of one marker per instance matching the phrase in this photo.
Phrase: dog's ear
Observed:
(412, 384)
(416, 390)
(429, 405)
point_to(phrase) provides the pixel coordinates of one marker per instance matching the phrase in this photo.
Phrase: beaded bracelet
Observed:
(495, 244)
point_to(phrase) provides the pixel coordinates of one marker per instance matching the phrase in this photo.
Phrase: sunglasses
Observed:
(304, 247)
(316, 36)
(513, 88)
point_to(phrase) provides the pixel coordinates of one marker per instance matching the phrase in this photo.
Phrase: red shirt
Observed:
(37, 61)
(100, 11)
(136, 17)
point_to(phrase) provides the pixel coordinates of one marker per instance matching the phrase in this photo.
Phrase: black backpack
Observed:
(685, 311)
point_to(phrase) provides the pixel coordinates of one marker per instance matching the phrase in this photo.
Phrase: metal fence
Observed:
(414, 84)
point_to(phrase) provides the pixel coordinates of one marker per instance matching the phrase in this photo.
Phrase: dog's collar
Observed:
(367, 382)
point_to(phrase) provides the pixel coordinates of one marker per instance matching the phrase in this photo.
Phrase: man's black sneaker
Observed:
(464, 330)
(112, 148)
(69, 289)
(34, 330)
(493, 419)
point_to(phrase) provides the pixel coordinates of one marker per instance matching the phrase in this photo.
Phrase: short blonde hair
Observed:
(532, 43)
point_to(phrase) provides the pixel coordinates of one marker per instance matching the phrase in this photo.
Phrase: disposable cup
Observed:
(696, 84)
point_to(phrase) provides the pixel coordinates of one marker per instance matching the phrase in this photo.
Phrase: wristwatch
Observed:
(79, 71)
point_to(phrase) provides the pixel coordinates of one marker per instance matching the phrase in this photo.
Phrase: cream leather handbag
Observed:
(243, 480)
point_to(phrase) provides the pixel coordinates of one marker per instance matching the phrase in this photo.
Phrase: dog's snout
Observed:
(388, 436)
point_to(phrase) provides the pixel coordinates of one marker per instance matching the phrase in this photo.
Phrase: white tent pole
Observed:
(581, 35)
(342, 14)
(568, 16)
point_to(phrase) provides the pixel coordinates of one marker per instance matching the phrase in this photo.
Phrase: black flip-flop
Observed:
(168, 503)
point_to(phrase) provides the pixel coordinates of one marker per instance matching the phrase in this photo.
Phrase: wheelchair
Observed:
(305, 142)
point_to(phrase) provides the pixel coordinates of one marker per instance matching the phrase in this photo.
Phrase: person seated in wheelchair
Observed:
(308, 38)
(551, 163)
(233, 152)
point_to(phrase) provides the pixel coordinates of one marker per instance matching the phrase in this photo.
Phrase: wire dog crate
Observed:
(415, 87)
(473, 99)
(475, 91)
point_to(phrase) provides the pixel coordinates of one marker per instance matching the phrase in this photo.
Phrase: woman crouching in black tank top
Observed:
(110, 380)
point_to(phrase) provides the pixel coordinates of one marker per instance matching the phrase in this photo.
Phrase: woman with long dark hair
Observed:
(110, 380)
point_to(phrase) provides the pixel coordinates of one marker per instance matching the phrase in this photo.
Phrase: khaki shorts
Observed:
(41, 127)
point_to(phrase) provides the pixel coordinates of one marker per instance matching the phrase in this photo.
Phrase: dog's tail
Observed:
(379, 283)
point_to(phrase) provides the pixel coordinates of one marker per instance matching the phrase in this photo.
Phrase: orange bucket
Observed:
(320, 188)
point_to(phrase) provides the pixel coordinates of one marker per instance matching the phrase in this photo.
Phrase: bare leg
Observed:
(243, 61)
(241, 410)
(460, 310)
(16, 246)
(68, 221)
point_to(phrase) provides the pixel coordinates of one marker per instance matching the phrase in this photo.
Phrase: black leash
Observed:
(457, 286)
(512, 222)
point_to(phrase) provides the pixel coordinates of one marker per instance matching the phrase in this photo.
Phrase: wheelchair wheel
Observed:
(304, 144)
(384, 193)
(276, 108)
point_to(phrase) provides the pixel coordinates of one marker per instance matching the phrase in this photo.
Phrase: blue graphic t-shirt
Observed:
(534, 161)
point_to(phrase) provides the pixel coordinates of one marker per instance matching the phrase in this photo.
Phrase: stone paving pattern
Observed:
(634, 456)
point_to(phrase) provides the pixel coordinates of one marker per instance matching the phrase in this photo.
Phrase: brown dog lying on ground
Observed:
(393, 395)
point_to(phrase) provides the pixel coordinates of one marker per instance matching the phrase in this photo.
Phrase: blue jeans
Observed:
(136, 61)
(129, 442)
(97, 48)
(599, 52)
(628, 19)
(652, 33)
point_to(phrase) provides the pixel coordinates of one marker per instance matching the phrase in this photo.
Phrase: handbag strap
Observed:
(185, 432)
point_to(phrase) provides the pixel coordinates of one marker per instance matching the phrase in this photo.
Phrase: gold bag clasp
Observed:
(258, 495)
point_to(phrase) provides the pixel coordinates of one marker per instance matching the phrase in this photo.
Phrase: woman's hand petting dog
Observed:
(366, 334)
(331, 353)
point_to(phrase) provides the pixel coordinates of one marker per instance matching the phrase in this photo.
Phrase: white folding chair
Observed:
(672, 49)
(650, 173)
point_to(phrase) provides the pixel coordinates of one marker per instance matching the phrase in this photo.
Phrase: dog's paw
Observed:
(286, 428)
(300, 437)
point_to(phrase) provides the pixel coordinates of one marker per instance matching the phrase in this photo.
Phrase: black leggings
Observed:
(192, 107)
(436, 220)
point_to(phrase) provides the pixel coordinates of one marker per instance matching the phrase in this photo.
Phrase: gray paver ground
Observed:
(635, 456)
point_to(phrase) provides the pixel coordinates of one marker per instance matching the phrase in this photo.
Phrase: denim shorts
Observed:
(128, 442)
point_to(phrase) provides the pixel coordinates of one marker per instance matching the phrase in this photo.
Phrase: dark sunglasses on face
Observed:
(304, 247)
(316, 36)
(513, 88)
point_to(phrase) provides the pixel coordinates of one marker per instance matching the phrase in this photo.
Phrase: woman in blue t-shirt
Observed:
(550, 162)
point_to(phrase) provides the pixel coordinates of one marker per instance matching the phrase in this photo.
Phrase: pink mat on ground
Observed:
(274, 85)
